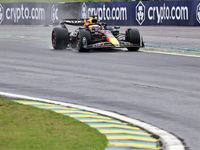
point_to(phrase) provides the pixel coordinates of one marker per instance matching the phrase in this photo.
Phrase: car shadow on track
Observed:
(99, 50)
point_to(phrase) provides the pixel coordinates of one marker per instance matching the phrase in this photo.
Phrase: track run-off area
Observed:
(148, 85)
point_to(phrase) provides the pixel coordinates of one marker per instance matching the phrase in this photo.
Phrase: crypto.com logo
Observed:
(84, 11)
(140, 13)
(198, 13)
(54, 13)
(1, 13)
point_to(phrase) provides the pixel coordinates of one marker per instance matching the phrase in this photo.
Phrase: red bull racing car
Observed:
(94, 34)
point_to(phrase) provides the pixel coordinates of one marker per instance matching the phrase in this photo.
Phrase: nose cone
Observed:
(113, 41)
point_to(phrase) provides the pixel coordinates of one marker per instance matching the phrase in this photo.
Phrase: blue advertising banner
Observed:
(115, 13)
(28, 13)
(196, 11)
(182, 13)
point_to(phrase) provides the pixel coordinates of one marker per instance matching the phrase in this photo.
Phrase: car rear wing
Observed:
(74, 22)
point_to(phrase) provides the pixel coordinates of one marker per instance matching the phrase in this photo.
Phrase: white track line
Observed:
(170, 142)
(167, 53)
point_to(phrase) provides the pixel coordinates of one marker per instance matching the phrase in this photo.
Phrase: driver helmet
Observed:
(91, 21)
(95, 27)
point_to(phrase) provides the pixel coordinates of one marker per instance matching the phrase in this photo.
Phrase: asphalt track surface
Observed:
(162, 90)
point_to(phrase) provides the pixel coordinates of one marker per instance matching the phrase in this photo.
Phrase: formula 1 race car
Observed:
(94, 34)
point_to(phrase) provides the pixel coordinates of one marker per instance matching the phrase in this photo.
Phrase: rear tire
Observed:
(60, 38)
(133, 36)
(83, 38)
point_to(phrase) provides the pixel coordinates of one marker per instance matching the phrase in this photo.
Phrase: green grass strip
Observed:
(103, 128)
(27, 127)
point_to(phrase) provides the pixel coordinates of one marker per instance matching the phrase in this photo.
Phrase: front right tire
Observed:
(83, 39)
(133, 36)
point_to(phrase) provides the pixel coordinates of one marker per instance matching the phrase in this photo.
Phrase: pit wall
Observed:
(176, 13)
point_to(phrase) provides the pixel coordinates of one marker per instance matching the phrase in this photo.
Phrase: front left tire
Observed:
(60, 38)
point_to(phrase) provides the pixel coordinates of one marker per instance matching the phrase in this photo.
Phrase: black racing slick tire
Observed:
(83, 39)
(60, 38)
(133, 36)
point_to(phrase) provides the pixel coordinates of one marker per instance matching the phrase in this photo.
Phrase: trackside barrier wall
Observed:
(28, 13)
(184, 13)
(177, 13)
(69, 10)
